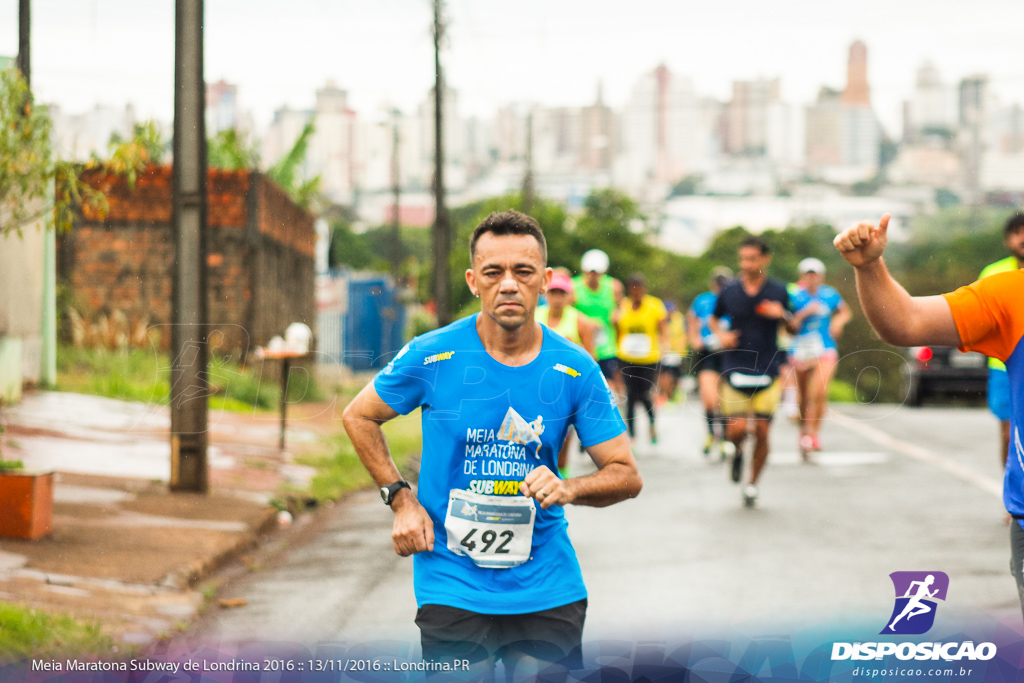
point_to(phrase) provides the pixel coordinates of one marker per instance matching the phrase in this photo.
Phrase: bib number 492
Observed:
(487, 538)
(495, 532)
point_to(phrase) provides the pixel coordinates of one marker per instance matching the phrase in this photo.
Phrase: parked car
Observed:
(943, 370)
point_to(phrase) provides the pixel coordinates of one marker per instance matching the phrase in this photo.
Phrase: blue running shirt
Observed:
(817, 324)
(704, 307)
(470, 403)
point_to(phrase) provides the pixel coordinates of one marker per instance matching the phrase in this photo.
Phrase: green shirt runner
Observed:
(1002, 266)
(599, 306)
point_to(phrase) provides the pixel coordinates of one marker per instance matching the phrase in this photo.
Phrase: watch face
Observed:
(384, 493)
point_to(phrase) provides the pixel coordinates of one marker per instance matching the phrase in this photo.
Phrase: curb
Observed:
(188, 576)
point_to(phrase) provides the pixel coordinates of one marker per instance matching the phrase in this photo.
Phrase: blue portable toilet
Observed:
(374, 324)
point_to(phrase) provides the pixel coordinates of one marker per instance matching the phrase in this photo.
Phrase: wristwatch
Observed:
(388, 493)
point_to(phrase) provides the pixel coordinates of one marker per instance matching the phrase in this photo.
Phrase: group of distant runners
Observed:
(495, 575)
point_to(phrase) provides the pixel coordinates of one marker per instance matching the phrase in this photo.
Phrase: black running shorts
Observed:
(551, 635)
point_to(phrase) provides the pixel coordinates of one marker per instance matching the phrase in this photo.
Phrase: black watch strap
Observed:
(388, 493)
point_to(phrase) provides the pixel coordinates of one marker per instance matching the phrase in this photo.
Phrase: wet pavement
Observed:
(124, 550)
(896, 489)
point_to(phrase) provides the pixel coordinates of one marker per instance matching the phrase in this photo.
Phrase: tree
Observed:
(28, 165)
(612, 222)
(286, 171)
(687, 186)
(229, 150)
(130, 157)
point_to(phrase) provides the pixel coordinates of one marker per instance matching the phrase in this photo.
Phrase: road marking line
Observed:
(921, 454)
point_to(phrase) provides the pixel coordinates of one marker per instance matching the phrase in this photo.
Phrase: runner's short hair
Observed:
(509, 222)
(636, 280)
(755, 241)
(1013, 223)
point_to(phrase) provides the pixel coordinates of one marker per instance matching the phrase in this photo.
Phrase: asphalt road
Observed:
(896, 489)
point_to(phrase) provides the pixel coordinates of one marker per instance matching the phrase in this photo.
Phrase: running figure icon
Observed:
(915, 606)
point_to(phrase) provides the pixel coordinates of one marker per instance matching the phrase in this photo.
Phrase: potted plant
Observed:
(26, 500)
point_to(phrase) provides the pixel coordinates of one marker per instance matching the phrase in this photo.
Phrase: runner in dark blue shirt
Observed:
(757, 306)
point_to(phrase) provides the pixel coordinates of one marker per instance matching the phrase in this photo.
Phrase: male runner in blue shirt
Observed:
(495, 574)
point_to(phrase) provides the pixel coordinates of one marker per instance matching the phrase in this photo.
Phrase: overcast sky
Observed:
(499, 51)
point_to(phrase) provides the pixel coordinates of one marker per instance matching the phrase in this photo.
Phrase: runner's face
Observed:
(509, 275)
(1015, 243)
(752, 262)
(813, 280)
(558, 299)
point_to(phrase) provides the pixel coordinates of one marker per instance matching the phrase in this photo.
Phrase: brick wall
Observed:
(260, 264)
(150, 200)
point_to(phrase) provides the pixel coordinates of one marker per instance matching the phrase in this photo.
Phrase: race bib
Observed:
(742, 381)
(808, 347)
(671, 359)
(636, 345)
(600, 336)
(495, 532)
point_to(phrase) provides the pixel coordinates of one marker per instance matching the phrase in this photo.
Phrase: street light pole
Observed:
(189, 387)
(25, 40)
(396, 191)
(528, 174)
(442, 229)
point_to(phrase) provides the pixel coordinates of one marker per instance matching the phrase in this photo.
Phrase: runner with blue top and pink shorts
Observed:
(821, 315)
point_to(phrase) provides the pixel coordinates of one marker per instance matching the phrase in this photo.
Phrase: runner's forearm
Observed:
(693, 331)
(890, 310)
(611, 484)
(372, 448)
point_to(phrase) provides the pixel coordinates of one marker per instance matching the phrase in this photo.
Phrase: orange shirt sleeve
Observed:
(989, 314)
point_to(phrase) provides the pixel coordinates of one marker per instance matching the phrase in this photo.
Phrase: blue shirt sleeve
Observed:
(597, 416)
(404, 383)
(799, 299)
(833, 298)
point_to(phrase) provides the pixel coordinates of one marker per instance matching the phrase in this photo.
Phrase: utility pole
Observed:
(528, 175)
(442, 229)
(48, 327)
(189, 386)
(396, 192)
(24, 41)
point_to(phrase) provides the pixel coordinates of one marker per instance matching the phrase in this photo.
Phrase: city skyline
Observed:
(508, 53)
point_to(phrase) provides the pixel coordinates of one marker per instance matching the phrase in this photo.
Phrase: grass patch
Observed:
(841, 392)
(341, 471)
(30, 633)
(144, 376)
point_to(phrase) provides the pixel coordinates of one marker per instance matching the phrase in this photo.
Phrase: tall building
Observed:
(933, 105)
(282, 134)
(557, 140)
(333, 146)
(221, 107)
(973, 99)
(974, 108)
(748, 116)
(824, 129)
(510, 133)
(598, 141)
(79, 136)
(667, 133)
(456, 138)
(857, 92)
(843, 134)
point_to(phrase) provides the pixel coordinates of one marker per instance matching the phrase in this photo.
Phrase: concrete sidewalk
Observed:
(124, 549)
